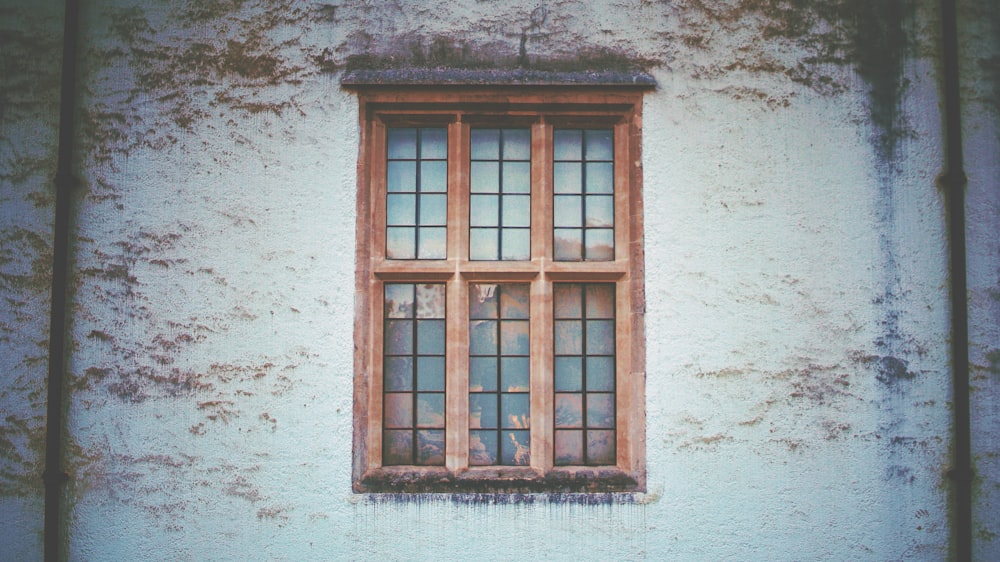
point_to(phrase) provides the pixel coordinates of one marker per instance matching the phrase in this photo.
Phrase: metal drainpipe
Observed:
(54, 476)
(954, 182)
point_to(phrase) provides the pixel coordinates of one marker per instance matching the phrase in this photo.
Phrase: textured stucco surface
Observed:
(797, 287)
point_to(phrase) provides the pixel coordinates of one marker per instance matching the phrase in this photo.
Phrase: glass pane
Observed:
(434, 176)
(600, 177)
(569, 244)
(402, 143)
(400, 209)
(400, 243)
(433, 210)
(601, 301)
(484, 177)
(430, 300)
(399, 300)
(568, 210)
(482, 411)
(482, 448)
(601, 447)
(515, 300)
(434, 143)
(514, 373)
(515, 411)
(482, 374)
(569, 410)
(600, 374)
(430, 409)
(430, 337)
(516, 177)
(402, 176)
(515, 448)
(483, 244)
(601, 410)
(566, 297)
(485, 144)
(569, 374)
(601, 244)
(516, 244)
(484, 210)
(483, 337)
(430, 447)
(483, 300)
(514, 337)
(516, 144)
(600, 210)
(567, 143)
(600, 337)
(566, 177)
(430, 373)
(433, 243)
(599, 145)
(516, 210)
(398, 373)
(398, 337)
(397, 447)
(398, 409)
(569, 337)
(569, 447)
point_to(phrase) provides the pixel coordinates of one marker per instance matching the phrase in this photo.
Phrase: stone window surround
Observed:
(542, 108)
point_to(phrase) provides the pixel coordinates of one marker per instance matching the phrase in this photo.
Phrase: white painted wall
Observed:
(212, 353)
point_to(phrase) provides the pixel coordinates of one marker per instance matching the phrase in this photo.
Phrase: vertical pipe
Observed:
(54, 476)
(954, 181)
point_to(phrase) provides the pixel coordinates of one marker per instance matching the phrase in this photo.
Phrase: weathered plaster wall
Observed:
(798, 380)
(29, 107)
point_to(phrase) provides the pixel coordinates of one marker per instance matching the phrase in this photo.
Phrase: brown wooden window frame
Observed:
(543, 109)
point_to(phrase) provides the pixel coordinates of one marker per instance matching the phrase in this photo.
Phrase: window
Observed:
(499, 326)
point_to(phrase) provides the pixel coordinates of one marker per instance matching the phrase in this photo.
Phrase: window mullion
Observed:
(457, 360)
(542, 408)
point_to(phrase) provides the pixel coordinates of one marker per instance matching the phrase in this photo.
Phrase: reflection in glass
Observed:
(433, 210)
(397, 447)
(569, 410)
(568, 337)
(430, 409)
(516, 144)
(600, 374)
(514, 411)
(516, 177)
(484, 210)
(400, 243)
(430, 447)
(432, 243)
(433, 177)
(483, 300)
(482, 410)
(483, 243)
(401, 209)
(430, 337)
(600, 447)
(568, 144)
(599, 144)
(398, 373)
(569, 374)
(399, 337)
(398, 410)
(485, 177)
(483, 337)
(566, 297)
(568, 447)
(567, 177)
(482, 448)
(434, 143)
(600, 300)
(600, 244)
(516, 244)
(514, 374)
(482, 374)
(600, 211)
(601, 410)
(402, 143)
(430, 373)
(515, 448)
(402, 176)
(399, 300)
(515, 300)
(430, 300)
(485, 144)
(600, 337)
(568, 244)
(514, 337)
(600, 177)
(568, 211)
(517, 210)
